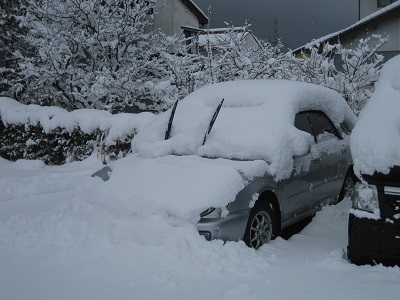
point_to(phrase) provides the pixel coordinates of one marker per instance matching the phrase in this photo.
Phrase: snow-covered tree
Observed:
(231, 56)
(10, 43)
(360, 70)
(351, 72)
(98, 54)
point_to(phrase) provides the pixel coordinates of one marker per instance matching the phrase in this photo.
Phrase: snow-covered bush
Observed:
(232, 54)
(55, 135)
(95, 54)
(101, 54)
(23, 141)
(351, 72)
(361, 68)
(10, 43)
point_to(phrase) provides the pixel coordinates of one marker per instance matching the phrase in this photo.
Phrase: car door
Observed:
(331, 150)
(300, 192)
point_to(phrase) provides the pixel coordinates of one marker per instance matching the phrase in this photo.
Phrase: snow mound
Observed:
(255, 122)
(95, 222)
(88, 120)
(375, 140)
(181, 186)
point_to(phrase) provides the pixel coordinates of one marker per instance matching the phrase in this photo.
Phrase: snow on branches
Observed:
(235, 53)
(350, 71)
(95, 54)
(102, 54)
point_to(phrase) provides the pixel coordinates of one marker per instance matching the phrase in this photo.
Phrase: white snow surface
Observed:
(183, 186)
(66, 235)
(256, 122)
(50, 117)
(375, 140)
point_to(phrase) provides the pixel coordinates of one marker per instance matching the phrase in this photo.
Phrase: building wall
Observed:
(388, 27)
(367, 7)
(172, 16)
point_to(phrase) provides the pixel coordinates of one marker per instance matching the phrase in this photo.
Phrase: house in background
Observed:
(184, 18)
(175, 17)
(384, 20)
(368, 7)
(225, 36)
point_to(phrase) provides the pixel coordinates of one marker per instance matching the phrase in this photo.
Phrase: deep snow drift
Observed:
(375, 140)
(63, 236)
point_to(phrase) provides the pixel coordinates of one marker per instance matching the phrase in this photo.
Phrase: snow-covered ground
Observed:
(62, 237)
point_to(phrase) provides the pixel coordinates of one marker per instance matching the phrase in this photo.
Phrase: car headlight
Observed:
(207, 212)
(365, 197)
(212, 209)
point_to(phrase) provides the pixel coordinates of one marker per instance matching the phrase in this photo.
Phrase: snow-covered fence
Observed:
(56, 135)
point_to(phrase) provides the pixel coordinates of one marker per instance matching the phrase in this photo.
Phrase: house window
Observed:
(191, 40)
(383, 3)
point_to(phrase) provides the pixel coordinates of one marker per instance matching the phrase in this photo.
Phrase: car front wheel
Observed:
(261, 226)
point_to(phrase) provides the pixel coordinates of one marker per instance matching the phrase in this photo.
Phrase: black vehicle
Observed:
(374, 222)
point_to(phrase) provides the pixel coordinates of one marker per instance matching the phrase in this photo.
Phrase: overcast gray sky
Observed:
(300, 21)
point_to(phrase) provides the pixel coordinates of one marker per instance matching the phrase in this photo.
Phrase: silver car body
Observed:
(295, 198)
(298, 130)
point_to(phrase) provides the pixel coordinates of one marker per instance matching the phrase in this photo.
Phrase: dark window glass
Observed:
(301, 123)
(320, 123)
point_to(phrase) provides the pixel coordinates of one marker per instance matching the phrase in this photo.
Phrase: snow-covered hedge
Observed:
(55, 135)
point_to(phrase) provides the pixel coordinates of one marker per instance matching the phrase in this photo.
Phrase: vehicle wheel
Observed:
(348, 185)
(261, 226)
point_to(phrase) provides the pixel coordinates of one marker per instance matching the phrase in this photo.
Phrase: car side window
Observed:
(321, 124)
(301, 122)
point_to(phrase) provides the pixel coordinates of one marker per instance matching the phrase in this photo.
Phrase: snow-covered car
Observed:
(374, 222)
(249, 157)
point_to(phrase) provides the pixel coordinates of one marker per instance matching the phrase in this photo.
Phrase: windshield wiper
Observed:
(171, 118)
(214, 117)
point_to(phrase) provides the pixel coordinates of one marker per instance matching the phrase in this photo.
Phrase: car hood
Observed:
(184, 186)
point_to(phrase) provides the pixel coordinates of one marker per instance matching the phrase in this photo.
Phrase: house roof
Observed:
(218, 35)
(203, 19)
(377, 17)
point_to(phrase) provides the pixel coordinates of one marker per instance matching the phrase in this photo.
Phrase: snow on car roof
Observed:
(375, 141)
(254, 123)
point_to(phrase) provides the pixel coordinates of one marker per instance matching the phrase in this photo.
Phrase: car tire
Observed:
(348, 185)
(261, 226)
